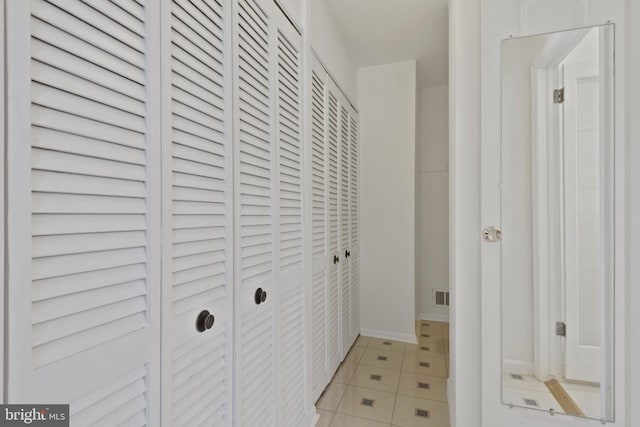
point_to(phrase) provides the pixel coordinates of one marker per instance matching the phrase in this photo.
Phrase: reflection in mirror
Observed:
(557, 222)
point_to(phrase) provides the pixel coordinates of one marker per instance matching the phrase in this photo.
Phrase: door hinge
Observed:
(561, 329)
(558, 96)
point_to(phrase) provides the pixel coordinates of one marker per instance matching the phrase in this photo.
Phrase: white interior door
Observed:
(582, 224)
(84, 208)
(197, 362)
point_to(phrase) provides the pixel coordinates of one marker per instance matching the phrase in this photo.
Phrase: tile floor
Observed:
(390, 383)
(527, 391)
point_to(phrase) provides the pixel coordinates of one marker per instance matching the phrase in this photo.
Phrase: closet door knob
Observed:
(258, 296)
(336, 259)
(205, 321)
(263, 297)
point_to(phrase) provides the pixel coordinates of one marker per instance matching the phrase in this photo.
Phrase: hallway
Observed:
(390, 383)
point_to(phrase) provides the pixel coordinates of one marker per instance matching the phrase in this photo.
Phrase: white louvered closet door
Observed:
(320, 255)
(83, 162)
(270, 375)
(197, 363)
(333, 204)
(289, 271)
(345, 207)
(354, 226)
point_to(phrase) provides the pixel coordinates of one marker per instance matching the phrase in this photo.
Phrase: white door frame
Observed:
(2, 185)
(548, 258)
(549, 264)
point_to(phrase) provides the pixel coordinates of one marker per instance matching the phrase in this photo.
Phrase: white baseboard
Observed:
(434, 317)
(388, 335)
(313, 417)
(517, 367)
(451, 404)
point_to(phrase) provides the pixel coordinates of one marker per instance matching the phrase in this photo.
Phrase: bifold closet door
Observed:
(325, 197)
(349, 248)
(84, 208)
(270, 371)
(197, 326)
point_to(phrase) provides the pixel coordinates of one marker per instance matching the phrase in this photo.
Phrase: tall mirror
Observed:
(557, 222)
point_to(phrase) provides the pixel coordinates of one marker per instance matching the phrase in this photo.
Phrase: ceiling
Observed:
(384, 31)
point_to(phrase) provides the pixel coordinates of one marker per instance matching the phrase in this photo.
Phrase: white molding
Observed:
(521, 367)
(17, 362)
(628, 161)
(434, 317)
(2, 199)
(388, 335)
(313, 417)
(465, 284)
(450, 397)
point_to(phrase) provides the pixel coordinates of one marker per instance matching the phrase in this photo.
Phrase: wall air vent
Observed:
(441, 298)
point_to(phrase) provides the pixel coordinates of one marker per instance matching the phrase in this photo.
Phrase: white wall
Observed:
(329, 45)
(464, 386)
(432, 201)
(633, 212)
(387, 97)
(499, 19)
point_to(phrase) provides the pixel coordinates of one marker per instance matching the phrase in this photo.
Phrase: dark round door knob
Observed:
(263, 298)
(258, 296)
(205, 321)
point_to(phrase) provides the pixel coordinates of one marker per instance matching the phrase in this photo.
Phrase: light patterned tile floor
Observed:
(390, 383)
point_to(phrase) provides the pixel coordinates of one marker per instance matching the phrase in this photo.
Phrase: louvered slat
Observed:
(256, 385)
(256, 218)
(198, 154)
(332, 159)
(344, 230)
(199, 381)
(333, 313)
(256, 248)
(114, 403)
(319, 332)
(89, 176)
(354, 229)
(199, 366)
(289, 154)
(318, 168)
(290, 279)
(292, 359)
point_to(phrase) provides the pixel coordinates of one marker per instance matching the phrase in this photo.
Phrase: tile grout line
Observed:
(397, 394)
